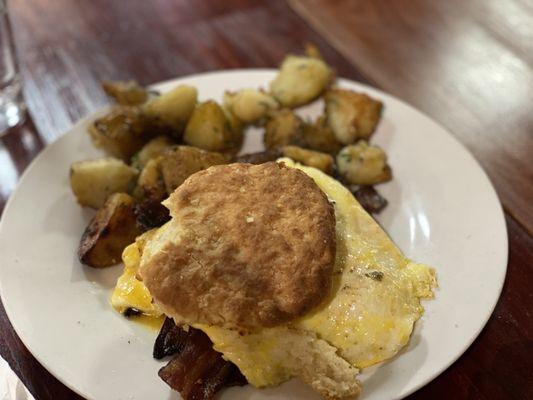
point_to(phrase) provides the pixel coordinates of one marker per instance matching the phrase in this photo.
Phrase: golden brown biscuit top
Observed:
(248, 246)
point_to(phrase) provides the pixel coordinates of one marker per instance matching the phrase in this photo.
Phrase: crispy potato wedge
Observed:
(120, 133)
(250, 105)
(171, 111)
(125, 93)
(152, 149)
(180, 162)
(362, 164)
(209, 129)
(351, 115)
(319, 136)
(92, 181)
(300, 80)
(282, 129)
(321, 161)
(113, 228)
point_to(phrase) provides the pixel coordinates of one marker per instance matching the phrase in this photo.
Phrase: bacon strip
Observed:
(197, 372)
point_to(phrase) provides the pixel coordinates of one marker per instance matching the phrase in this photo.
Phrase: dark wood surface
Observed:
(467, 64)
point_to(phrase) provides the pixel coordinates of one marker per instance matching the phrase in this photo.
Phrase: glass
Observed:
(12, 107)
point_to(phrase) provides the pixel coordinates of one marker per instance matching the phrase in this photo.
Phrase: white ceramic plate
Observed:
(442, 211)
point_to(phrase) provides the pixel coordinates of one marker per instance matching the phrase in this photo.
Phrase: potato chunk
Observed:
(321, 161)
(319, 136)
(125, 93)
(178, 163)
(152, 149)
(362, 164)
(113, 228)
(351, 115)
(150, 184)
(92, 181)
(172, 109)
(236, 127)
(300, 80)
(120, 133)
(210, 129)
(283, 128)
(312, 51)
(250, 105)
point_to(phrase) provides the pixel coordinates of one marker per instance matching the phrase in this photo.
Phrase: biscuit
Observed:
(248, 246)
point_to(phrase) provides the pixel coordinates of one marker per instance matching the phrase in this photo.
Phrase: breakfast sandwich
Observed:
(283, 271)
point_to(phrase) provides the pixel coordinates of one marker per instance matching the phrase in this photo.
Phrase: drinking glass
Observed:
(12, 107)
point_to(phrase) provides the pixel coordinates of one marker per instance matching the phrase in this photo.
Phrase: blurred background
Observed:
(467, 64)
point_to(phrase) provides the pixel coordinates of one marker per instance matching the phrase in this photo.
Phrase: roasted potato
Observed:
(321, 161)
(209, 129)
(125, 93)
(351, 115)
(312, 51)
(171, 111)
(237, 129)
(178, 163)
(151, 150)
(283, 128)
(300, 80)
(113, 228)
(150, 184)
(250, 105)
(362, 164)
(92, 181)
(319, 136)
(120, 133)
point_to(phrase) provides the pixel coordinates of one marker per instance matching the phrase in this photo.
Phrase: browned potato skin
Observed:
(282, 129)
(150, 184)
(319, 136)
(321, 161)
(363, 164)
(209, 129)
(125, 93)
(169, 112)
(300, 80)
(152, 149)
(150, 192)
(113, 228)
(180, 162)
(121, 133)
(351, 115)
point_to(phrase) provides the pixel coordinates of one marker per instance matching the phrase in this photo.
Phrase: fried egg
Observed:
(368, 316)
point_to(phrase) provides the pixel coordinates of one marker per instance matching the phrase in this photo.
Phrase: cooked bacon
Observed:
(370, 199)
(197, 372)
(151, 213)
(171, 340)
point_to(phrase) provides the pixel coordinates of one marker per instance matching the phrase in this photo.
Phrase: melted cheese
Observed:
(130, 292)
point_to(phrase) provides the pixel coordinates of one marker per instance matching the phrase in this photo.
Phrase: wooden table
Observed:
(468, 64)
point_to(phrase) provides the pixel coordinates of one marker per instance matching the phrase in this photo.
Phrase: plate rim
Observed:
(174, 81)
